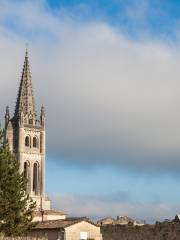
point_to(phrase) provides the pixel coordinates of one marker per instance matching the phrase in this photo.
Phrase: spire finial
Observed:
(26, 54)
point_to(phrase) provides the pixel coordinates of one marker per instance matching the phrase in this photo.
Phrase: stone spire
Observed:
(25, 100)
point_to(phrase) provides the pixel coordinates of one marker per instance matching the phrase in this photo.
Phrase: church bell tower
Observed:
(25, 133)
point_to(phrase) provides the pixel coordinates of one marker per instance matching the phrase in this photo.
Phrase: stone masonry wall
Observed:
(73, 232)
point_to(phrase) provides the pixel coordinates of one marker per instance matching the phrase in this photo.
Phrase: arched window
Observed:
(30, 121)
(35, 178)
(26, 170)
(35, 142)
(25, 173)
(27, 141)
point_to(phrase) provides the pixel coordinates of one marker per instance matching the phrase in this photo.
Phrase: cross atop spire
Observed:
(25, 100)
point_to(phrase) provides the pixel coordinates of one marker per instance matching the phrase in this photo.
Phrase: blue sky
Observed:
(157, 17)
(134, 185)
(110, 74)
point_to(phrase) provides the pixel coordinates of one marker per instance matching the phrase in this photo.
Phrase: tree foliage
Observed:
(16, 207)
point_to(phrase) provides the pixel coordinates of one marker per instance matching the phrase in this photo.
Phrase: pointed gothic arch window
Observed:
(27, 141)
(26, 173)
(31, 121)
(35, 142)
(35, 178)
(30, 118)
(25, 170)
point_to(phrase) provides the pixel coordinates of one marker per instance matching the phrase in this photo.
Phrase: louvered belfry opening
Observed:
(35, 178)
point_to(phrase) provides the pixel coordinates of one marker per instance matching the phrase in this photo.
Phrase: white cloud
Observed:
(82, 205)
(106, 96)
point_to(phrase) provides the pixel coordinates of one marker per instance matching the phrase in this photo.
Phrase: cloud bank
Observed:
(96, 208)
(109, 99)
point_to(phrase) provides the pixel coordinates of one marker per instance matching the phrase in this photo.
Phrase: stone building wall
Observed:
(73, 232)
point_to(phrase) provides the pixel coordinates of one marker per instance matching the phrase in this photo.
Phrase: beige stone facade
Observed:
(47, 215)
(82, 230)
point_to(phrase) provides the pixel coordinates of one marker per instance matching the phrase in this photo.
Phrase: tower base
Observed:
(42, 203)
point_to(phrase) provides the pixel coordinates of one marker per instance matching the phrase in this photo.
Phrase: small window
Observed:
(27, 141)
(35, 142)
(31, 121)
(83, 235)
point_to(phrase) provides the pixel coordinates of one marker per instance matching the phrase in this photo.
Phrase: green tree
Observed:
(16, 207)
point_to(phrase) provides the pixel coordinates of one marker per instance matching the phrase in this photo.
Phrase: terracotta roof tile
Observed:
(52, 224)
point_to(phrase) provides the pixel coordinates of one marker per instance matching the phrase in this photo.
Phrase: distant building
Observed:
(139, 223)
(177, 218)
(120, 220)
(106, 221)
(123, 220)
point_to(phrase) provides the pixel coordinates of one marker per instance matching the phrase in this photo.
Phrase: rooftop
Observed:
(61, 224)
